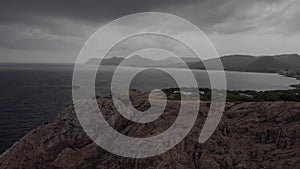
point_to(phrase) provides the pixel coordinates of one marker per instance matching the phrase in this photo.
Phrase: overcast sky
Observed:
(55, 31)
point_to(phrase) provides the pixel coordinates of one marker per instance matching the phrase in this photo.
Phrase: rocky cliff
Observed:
(250, 135)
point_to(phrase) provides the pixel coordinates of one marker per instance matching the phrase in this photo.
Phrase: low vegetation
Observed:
(244, 96)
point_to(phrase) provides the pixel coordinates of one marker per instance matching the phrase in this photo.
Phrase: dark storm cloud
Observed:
(212, 15)
(63, 25)
(46, 24)
(94, 10)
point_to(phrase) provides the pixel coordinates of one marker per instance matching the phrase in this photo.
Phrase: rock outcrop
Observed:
(250, 135)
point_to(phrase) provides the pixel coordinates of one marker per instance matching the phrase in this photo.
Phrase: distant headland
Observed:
(284, 64)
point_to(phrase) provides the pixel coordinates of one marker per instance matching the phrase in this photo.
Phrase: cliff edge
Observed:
(250, 135)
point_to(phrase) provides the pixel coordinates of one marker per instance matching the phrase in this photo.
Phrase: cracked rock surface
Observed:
(250, 135)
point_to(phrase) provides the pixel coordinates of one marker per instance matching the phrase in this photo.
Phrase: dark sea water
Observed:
(29, 97)
(32, 94)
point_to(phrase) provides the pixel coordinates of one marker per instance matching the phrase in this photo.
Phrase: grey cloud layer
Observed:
(66, 24)
(93, 11)
(205, 13)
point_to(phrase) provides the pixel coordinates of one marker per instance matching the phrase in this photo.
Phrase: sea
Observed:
(33, 94)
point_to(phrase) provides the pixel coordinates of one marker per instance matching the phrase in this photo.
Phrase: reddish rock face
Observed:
(250, 135)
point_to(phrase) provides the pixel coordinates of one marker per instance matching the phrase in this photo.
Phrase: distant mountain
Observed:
(134, 61)
(190, 59)
(138, 61)
(230, 62)
(93, 61)
(249, 63)
(191, 65)
(112, 61)
(170, 60)
(195, 65)
(107, 61)
(266, 64)
(292, 59)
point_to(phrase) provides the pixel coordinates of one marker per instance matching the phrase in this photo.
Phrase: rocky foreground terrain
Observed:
(250, 135)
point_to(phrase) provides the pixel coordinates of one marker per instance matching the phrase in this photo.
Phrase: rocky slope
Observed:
(250, 135)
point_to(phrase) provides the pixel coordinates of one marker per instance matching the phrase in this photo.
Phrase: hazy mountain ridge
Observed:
(109, 61)
(231, 61)
(275, 63)
(134, 61)
(267, 64)
(250, 63)
(293, 59)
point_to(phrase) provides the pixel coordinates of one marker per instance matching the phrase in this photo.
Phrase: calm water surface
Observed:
(32, 95)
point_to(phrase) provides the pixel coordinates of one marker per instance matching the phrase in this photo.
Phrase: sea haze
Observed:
(33, 94)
